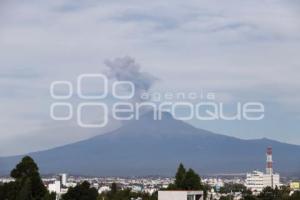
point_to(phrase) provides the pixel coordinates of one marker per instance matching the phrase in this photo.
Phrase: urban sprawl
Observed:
(255, 181)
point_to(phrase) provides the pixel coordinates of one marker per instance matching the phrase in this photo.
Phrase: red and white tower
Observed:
(269, 168)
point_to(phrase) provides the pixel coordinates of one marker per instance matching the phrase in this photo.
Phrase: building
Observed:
(104, 189)
(295, 185)
(63, 179)
(180, 195)
(257, 181)
(55, 187)
(216, 183)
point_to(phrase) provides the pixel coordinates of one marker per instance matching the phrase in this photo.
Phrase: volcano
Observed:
(156, 147)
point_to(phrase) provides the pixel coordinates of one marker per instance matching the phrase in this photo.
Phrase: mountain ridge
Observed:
(148, 146)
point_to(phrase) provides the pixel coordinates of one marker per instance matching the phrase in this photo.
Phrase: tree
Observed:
(247, 195)
(180, 176)
(28, 179)
(2, 191)
(154, 196)
(25, 192)
(228, 197)
(269, 194)
(186, 180)
(125, 195)
(295, 195)
(232, 187)
(114, 188)
(192, 181)
(82, 191)
(28, 184)
(285, 193)
(8, 191)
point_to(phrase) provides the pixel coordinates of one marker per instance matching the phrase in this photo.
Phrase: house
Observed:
(180, 195)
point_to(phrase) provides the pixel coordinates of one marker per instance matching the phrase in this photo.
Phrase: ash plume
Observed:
(126, 69)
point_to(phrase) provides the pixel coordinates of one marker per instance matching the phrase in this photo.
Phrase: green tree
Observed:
(232, 187)
(285, 193)
(295, 195)
(126, 194)
(2, 191)
(186, 180)
(28, 180)
(228, 197)
(114, 188)
(247, 195)
(180, 176)
(25, 192)
(269, 194)
(8, 191)
(192, 181)
(28, 184)
(154, 196)
(82, 191)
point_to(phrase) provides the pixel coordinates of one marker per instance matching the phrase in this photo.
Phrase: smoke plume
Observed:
(126, 69)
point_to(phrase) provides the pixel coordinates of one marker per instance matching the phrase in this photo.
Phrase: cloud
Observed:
(248, 50)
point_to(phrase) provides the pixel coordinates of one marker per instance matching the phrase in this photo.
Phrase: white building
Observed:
(257, 181)
(104, 189)
(180, 195)
(214, 182)
(55, 187)
(63, 179)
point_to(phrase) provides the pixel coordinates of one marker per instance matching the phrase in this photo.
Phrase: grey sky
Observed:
(242, 50)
